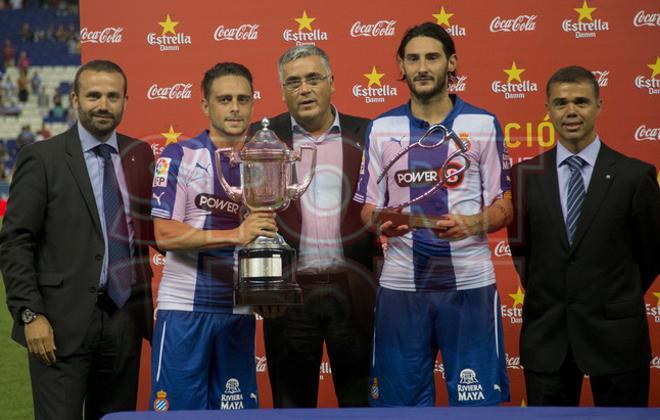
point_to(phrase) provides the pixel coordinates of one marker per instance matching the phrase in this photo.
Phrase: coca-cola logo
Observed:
(176, 91)
(502, 249)
(439, 368)
(458, 84)
(110, 35)
(601, 77)
(325, 368)
(513, 362)
(380, 28)
(522, 23)
(647, 133)
(245, 32)
(261, 363)
(646, 19)
(655, 362)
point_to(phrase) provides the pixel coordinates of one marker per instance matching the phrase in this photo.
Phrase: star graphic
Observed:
(655, 67)
(168, 26)
(657, 294)
(523, 403)
(514, 73)
(171, 136)
(305, 22)
(374, 77)
(585, 11)
(442, 18)
(517, 297)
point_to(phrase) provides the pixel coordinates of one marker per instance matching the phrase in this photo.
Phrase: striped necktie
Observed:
(120, 269)
(575, 195)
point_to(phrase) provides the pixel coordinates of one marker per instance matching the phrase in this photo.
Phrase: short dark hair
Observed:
(431, 30)
(106, 66)
(224, 69)
(572, 74)
(302, 51)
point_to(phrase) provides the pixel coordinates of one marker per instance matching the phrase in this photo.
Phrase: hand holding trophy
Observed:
(266, 266)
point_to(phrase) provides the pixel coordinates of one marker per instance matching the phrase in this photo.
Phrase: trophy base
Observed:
(268, 297)
(266, 274)
(413, 221)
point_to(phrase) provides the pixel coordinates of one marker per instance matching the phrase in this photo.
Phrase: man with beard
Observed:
(334, 248)
(203, 357)
(74, 255)
(437, 287)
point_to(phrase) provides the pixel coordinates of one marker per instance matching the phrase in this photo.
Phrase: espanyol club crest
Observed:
(161, 403)
(373, 389)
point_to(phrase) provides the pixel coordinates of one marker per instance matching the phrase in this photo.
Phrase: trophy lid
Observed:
(264, 145)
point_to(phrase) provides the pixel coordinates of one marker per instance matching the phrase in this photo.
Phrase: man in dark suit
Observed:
(74, 255)
(585, 241)
(334, 250)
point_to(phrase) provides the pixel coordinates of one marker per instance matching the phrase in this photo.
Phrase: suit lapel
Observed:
(601, 179)
(550, 192)
(76, 162)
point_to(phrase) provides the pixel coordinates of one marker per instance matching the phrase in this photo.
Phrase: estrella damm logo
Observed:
(375, 91)
(515, 87)
(305, 34)
(513, 312)
(653, 309)
(585, 26)
(443, 18)
(652, 83)
(169, 38)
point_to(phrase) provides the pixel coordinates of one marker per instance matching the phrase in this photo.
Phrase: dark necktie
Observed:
(120, 269)
(575, 195)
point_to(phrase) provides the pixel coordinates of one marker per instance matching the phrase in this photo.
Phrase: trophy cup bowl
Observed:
(457, 160)
(266, 266)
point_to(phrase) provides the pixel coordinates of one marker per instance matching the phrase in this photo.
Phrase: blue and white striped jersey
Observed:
(420, 260)
(186, 189)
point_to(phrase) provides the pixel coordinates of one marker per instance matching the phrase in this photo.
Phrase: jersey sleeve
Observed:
(494, 164)
(368, 190)
(169, 187)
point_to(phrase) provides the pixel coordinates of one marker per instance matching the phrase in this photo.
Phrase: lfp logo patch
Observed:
(160, 174)
(161, 403)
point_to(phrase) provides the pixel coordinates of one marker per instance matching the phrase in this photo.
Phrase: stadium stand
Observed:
(48, 32)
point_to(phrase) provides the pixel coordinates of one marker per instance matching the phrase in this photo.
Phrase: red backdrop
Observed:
(506, 49)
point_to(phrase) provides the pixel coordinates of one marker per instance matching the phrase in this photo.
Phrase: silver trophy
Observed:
(457, 160)
(266, 266)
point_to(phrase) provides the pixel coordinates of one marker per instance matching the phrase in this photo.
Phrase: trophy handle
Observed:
(234, 193)
(446, 136)
(294, 191)
(460, 152)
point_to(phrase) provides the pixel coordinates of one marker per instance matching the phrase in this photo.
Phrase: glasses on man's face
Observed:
(294, 83)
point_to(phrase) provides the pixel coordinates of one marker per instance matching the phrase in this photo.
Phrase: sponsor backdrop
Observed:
(507, 50)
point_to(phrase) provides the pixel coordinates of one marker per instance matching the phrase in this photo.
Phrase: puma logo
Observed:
(158, 197)
(203, 168)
